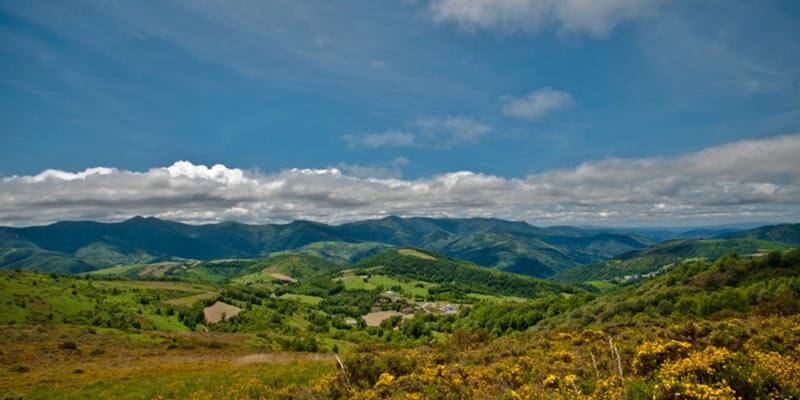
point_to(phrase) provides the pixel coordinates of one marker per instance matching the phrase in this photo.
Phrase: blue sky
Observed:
(408, 90)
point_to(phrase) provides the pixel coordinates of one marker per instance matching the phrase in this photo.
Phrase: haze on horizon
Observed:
(626, 113)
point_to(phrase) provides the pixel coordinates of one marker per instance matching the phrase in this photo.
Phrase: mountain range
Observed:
(80, 246)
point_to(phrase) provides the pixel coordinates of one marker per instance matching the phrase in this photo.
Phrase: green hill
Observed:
(455, 275)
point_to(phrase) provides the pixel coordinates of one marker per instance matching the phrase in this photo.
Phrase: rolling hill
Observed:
(79, 246)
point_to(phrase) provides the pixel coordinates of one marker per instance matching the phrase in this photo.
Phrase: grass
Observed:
(410, 289)
(601, 284)
(202, 274)
(117, 270)
(406, 287)
(416, 253)
(313, 300)
(39, 298)
(177, 286)
(488, 297)
(191, 299)
(120, 365)
(256, 278)
(355, 282)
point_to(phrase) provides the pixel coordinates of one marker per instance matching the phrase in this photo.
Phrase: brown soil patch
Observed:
(283, 278)
(215, 312)
(375, 318)
(156, 270)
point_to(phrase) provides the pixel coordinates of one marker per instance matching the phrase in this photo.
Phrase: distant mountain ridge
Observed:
(78, 246)
(756, 241)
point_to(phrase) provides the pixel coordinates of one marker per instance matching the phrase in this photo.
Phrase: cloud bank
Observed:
(596, 18)
(753, 179)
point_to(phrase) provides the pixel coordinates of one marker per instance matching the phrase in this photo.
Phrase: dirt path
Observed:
(280, 358)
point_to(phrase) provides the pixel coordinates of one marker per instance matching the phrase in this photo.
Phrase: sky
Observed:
(598, 112)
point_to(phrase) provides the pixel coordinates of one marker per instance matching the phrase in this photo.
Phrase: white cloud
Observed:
(428, 132)
(385, 139)
(452, 130)
(393, 169)
(537, 104)
(753, 179)
(596, 18)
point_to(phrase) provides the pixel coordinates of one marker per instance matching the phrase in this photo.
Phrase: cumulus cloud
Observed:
(753, 179)
(440, 132)
(596, 18)
(537, 104)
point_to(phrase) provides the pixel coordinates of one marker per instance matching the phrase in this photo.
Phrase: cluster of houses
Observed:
(390, 301)
(628, 278)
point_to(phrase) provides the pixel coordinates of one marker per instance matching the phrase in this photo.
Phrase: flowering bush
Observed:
(650, 355)
(581, 365)
(674, 389)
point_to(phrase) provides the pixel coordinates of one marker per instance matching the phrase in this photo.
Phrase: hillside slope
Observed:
(782, 233)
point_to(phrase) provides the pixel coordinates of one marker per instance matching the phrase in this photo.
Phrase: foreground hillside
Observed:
(405, 324)
(81, 246)
(702, 331)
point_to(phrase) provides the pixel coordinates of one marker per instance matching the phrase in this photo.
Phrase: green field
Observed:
(118, 270)
(488, 297)
(602, 285)
(410, 289)
(312, 300)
